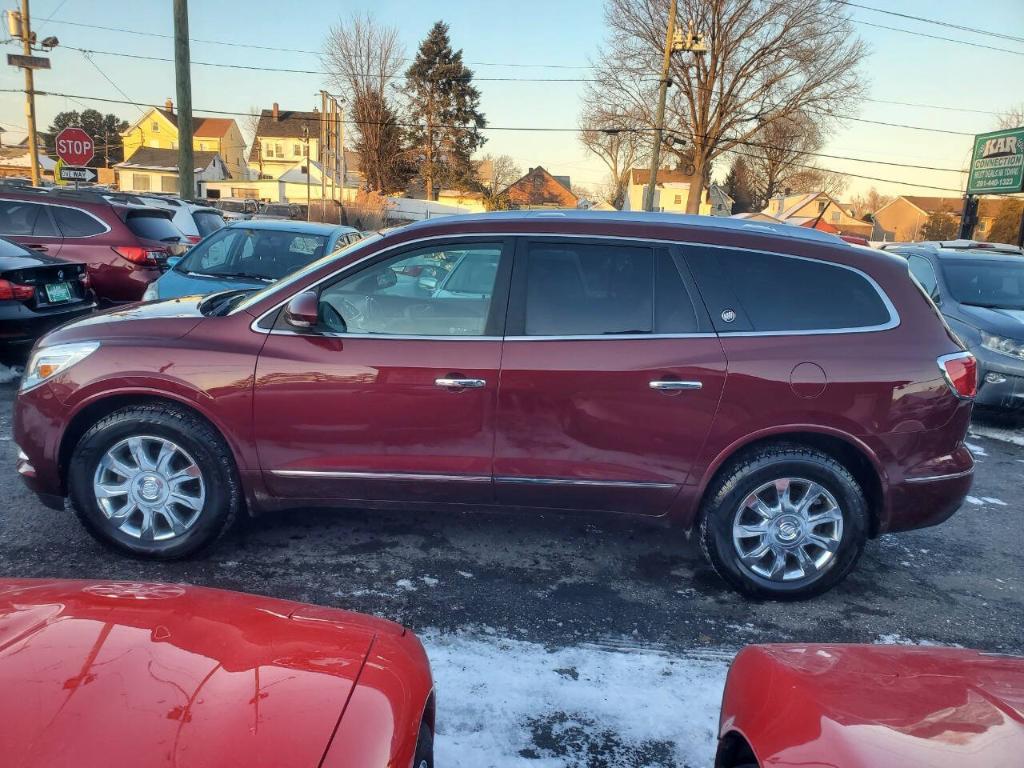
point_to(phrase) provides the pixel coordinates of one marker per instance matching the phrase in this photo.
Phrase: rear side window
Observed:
(922, 271)
(27, 219)
(779, 293)
(150, 227)
(75, 223)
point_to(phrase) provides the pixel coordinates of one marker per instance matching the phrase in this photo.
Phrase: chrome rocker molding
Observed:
(417, 477)
(590, 483)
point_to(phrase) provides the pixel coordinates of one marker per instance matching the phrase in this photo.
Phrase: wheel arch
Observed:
(93, 410)
(852, 453)
(734, 751)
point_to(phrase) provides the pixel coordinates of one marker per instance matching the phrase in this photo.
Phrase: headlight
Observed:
(151, 294)
(1003, 345)
(47, 362)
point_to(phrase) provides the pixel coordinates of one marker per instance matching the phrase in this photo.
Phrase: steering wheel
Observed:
(335, 320)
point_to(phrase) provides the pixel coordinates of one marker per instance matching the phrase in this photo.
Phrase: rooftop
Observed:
(164, 159)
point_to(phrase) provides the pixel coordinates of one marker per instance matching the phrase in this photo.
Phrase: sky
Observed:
(530, 35)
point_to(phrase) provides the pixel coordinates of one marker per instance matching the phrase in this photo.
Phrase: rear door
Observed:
(610, 377)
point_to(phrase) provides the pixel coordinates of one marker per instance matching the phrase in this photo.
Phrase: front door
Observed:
(393, 395)
(610, 377)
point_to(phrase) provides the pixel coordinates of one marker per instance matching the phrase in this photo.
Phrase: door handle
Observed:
(674, 386)
(38, 247)
(453, 383)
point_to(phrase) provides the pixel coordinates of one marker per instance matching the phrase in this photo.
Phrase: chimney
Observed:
(169, 106)
(276, 112)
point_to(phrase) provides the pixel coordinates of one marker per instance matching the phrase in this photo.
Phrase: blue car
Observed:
(248, 254)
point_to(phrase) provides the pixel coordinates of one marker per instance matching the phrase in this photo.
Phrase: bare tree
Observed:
(866, 204)
(498, 171)
(777, 156)
(766, 60)
(1012, 118)
(364, 58)
(616, 136)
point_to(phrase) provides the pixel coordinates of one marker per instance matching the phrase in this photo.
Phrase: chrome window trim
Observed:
(412, 476)
(584, 483)
(934, 478)
(894, 318)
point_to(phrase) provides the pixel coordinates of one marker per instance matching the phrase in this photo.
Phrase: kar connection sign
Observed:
(997, 164)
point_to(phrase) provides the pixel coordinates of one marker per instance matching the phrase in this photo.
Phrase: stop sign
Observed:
(74, 146)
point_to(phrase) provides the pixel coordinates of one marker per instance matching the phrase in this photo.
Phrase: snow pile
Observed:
(1005, 434)
(9, 374)
(511, 703)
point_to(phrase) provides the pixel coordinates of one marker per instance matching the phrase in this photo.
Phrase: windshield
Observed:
(208, 221)
(153, 226)
(997, 284)
(261, 254)
(283, 285)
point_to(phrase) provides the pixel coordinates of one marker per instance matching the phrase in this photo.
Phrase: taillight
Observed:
(138, 255)
(15, 291)
(961, 373)
(193, 238)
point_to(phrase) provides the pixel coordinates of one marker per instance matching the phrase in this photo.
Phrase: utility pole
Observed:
(968, 218)
(183, 81)
(30, 95)
(322, 146)
(659, 118)
(309, 165)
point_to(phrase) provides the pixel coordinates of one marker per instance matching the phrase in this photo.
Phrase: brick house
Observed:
(539, 189)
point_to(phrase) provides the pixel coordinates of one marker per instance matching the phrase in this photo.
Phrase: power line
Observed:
(547, 129)
(936, 22)
(117, 88)
(936, 37)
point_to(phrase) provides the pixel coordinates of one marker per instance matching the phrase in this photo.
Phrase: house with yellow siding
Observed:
(158, 129)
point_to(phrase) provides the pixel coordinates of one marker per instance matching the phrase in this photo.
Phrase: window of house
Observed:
(835, 217)
(154, 127)
(296, 150)
(822, 205)
(168, 184)
(76, 223)
(140, 182)
(278, 150)
(435, 291)
(678, 199)
(202, 146)
(245, 192)
(783, 293)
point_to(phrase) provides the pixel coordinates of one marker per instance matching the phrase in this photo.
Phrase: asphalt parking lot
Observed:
(555, 585)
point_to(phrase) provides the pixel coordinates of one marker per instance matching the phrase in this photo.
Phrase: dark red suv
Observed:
(122, 244)
(785, 393)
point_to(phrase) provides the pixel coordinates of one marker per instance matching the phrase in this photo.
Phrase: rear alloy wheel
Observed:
(784, 522)
(154, 481)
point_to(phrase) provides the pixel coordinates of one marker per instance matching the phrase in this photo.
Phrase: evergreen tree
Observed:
(444, 105)
(737, 186)
(940, 226)
(379, 144)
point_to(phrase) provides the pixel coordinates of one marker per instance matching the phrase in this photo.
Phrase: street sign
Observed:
(997, 165)
(28, 62)
(67, 173)
(75, 146)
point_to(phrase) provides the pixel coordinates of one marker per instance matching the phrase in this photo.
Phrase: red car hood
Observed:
(878, 706)
(170, 319)
(115, 674)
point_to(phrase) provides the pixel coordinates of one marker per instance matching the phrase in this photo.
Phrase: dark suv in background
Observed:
(783, 393)
(979, 288)
(123, 244)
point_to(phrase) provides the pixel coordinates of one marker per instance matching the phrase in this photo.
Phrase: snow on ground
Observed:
(975, 449)
(9, 374)
(1015, 436)
(509, 704)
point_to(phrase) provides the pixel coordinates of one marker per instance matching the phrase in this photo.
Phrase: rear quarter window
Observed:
(75, 223)
(776, 293)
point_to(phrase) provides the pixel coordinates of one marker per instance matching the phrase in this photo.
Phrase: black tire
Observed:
(223, 498)
(424, 757)
(748, 472)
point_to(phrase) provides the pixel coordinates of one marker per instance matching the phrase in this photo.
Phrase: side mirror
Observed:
(427, 283)
(303, 310)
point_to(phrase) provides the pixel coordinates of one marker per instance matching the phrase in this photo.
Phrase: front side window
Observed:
(435, 291)
(260, 254)
(18, 218)
(582, 289)
(778, 293)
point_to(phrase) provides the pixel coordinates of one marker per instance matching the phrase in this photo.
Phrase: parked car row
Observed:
(783, 393)
(112, 671)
